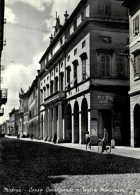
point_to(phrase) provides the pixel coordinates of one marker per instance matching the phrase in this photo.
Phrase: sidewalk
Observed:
(118, 150)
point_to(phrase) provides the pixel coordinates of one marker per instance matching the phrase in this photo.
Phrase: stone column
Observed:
(49, 124)
(60, 124)
(80, 129)
(46, 124)
(54, 126)
(72, 127)
(132, 142)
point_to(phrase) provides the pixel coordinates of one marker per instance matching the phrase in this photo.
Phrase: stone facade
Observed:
(29, 123)
(134, 59)
(13, 122)
(84, 76)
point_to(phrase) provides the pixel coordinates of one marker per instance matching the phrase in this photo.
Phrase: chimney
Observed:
(51, 38)
(66, 15)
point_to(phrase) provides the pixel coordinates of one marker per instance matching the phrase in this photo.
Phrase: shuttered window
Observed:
(136, 25)
(105, 65)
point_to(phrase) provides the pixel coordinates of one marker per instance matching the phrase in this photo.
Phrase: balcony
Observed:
(56, 97)
(1, 111)
(3, 96)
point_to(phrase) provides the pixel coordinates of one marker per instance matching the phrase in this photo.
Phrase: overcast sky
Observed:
(27, 30)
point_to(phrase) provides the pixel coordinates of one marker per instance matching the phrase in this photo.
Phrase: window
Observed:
(56, 69)
(68, 74)
(82, 14)
(105, 65)
(75, 51)
(103, 39)
(83, 69)
(51, 87)
(75, 64)
(51, 53)
(75, 24)
(136, 25)
(104, 8)
(61, 81)
(61, 41)
(44, 92)
(67, 33)
(56, 84)
(75, 74)
(136, 65)
(83, 57)
(61, 64)
(68, 58)
(83, 43)
(47, 90)
(41, 96)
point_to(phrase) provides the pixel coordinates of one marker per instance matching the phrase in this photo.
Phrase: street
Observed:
(30, 167)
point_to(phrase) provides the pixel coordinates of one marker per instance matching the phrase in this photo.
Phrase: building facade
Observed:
(134, 59)
(33, 107)
(13, 122)
(3, 92)
(84, 76)
(29, 120)
(23, 114)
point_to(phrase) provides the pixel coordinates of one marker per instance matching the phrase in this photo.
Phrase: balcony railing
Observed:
(3, 96)
(1, 111)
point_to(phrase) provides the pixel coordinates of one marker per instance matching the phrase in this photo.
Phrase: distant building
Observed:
(29, 124)
(3, 92)
(13, 122)
(33, 109)
(134, 46)
(23, 114)
(84, 76)
(5, 127)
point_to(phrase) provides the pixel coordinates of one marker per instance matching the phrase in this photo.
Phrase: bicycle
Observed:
(103, 146)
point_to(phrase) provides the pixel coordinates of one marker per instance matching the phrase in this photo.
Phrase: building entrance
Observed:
(137, 125)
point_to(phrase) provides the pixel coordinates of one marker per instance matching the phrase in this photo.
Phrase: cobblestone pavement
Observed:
(30, 167)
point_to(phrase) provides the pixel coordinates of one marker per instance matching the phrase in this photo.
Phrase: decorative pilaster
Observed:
(80, 129)
(49, 124)
(60, 124)
(54, 125)
(72, 127)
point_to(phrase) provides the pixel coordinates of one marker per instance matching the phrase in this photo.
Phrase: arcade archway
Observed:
(84, 119)
(137, 125)
(76, 122)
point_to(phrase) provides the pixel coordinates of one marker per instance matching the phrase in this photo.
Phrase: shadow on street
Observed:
(28, 164)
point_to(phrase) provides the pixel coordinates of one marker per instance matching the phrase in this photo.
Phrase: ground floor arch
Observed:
(137, 125)
(84, 119)
(76, 122)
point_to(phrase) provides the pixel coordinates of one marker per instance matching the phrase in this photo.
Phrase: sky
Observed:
(29, 24)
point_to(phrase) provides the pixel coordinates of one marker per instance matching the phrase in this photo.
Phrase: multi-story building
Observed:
(134, 59)
(23, 114)
(5, 127)
(84, 77)
(29, 115)
(33, 109)
(13, 122)
(3, 92)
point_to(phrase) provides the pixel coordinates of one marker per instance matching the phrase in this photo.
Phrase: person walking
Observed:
(87, 138)
(105, 139)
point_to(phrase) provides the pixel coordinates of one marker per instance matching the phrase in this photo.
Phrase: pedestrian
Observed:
(105, 139)
(87, 138)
